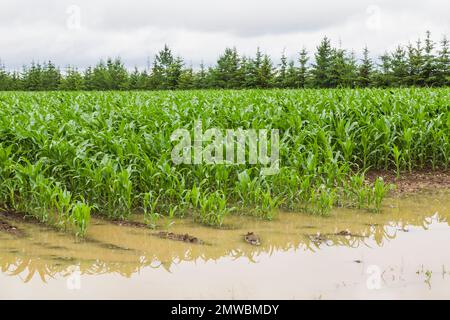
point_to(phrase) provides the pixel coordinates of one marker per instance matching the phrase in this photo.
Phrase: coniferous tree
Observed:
(31, 77)
(186, 80)
(365, 69)
(291, 75)
(321, 69)
(337, 69)
(415, 63)
(399, 67)
(6, 82)
(429, 63)
(443, 64)
(50, 77)
(72, 81)
(201, 77)
(303, 69)
(88, 78)
(226, 72)
(265, 73)
(282, 72)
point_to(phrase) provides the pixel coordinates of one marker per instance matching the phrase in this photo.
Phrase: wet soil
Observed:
(411, 182)
(299, 256)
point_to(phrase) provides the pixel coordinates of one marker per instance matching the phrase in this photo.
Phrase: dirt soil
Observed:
(415, 181)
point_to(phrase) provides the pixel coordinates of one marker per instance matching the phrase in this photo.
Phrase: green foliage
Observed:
(423, 64)
(64, 155)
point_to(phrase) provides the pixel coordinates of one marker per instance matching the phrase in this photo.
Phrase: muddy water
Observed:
(402, 252)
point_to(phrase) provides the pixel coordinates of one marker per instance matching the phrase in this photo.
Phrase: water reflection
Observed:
(46, 254)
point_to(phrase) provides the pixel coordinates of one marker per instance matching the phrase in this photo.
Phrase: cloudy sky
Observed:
(81, 32)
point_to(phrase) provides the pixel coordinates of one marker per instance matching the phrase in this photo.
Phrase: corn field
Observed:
(67, 155)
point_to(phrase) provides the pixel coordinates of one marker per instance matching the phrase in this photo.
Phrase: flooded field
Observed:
(402, 252)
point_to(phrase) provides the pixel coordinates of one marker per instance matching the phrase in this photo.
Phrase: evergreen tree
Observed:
(291, 75)
(226, 72)
(72, 81)
(321, 69)
(443, 64)
(399, 67)
(303, 69)
(166, 70)
(265, 73)
(282, 72)
(337, 69)
(365, 69)
(6, 82)
(415, 64)
(31, 77)
(50, 77)
(429, 63)
(88, 79)
(116, 75)
(186, 80)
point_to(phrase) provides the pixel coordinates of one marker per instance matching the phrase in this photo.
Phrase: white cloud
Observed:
(201, 29)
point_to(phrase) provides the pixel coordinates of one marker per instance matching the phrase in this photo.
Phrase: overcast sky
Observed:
(81, 32)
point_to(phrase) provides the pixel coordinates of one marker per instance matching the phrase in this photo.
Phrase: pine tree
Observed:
(443, 64)
(88, 79)
(50, 77)
(186, 80)
(282, 72)
(265, 73)
(303, 69)
(429, 64)
(321, 69)
(399, 67)
(31, 78)
(72, 81)
(116, 75)
(5, 79)
(291, 75)
(415, 64)
(200, 77)
(384, 74)
(365, 70)
(226, 72)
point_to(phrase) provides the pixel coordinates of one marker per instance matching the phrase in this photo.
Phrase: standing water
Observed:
(401, 252)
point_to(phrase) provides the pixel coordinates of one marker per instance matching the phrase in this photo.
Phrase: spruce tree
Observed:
(443, 64)
(282, 72)
(365, 70)
(429, 64)
(321, 69)
(303, 69)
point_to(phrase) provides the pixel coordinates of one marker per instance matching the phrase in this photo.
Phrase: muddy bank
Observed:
(415, 181)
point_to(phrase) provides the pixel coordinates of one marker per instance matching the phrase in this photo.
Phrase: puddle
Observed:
(399, 253)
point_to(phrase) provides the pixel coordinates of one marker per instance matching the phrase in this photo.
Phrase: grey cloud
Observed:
(201, 29)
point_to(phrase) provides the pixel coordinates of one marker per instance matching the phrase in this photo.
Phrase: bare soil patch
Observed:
(410, 182)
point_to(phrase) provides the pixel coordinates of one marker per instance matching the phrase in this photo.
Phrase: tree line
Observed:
(423, 63)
